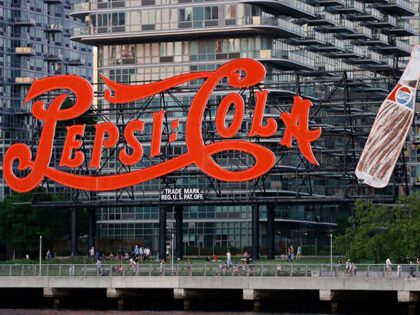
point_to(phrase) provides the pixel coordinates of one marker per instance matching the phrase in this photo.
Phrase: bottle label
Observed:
(403, 96)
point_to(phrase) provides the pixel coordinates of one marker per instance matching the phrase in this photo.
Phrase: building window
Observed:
(212, 13)
(185, 15)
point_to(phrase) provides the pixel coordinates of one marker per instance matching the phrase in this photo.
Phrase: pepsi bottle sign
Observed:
(404, 96)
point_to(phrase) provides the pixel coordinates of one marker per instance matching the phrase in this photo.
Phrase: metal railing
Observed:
(210, 269)
(402, 3)
(188, 25)
(85, 5)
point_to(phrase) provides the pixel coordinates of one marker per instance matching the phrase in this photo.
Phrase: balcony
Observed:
(326, 3)
(282, 59)
(81, 9)
(369, 57)
(24, 51)
(360, 32)
(398, 7)
(76, 61)
(311, 38)
(54, 28)
(25, 21)
(388, 61)
(342, 26)
(322, 17)
(387, 21)
(24, 80)
(54, 1)
(53, 56)
(385, 63)
(396, 47)
(350, 7)
(280, 84)
(380, 88)
(332, 45)
(377, 39)
(324, 66)
(369, 14)
(294, 8)
(403, 28)
(188, 29)
(350, 52)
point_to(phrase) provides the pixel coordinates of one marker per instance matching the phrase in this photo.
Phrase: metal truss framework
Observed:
(344, 109)
(346, 112)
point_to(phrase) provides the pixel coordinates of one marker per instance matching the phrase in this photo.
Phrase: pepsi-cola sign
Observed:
(239, 74)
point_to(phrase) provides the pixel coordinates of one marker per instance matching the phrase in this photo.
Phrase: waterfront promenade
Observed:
(186, 282)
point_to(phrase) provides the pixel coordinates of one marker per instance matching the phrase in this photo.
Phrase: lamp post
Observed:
(331, 249)
(172, 240)
(40, 253)
(172, 251)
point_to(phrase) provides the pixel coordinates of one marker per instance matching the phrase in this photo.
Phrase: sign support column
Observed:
(179, 231)
(270, 231)
(73, 231)
(92, 228)
(162, 232)
(255, 232)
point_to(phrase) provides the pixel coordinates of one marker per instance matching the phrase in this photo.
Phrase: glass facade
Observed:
(218, 226)
(305, 46)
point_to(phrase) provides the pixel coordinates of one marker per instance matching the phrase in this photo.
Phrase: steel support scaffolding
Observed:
(91, 227)
(162, 231)
(74, 250)
(179, 231)
(255, 232)
(344, 108)
(270, 231)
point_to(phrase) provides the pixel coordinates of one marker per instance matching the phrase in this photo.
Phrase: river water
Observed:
(83, 312)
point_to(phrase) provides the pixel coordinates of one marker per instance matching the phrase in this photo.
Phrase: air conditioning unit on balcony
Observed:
(265, 53)
(256, 20)
(55, 27)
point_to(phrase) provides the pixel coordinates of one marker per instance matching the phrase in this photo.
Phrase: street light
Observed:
(172, 252)
(331, 249)
(40, 253)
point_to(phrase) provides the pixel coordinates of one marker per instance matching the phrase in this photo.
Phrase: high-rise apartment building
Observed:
(414, 150)
(344, 55)
(34, 43)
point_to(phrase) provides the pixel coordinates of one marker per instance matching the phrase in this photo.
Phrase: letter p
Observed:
(112, 133)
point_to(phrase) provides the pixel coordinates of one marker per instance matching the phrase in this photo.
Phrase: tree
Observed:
(20, 223)
(381, 231)
(406, 228)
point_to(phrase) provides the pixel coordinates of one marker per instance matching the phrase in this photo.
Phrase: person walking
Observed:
(412, 269)
(141, 253)
(136, 251)
(388, 267)
(48, 256)
(98, 267)
(228, 258)
(354, 269)
(299, 252)
(347, 270)
(189, 266)
(292, 252)
(92, 254)
(162, 267)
